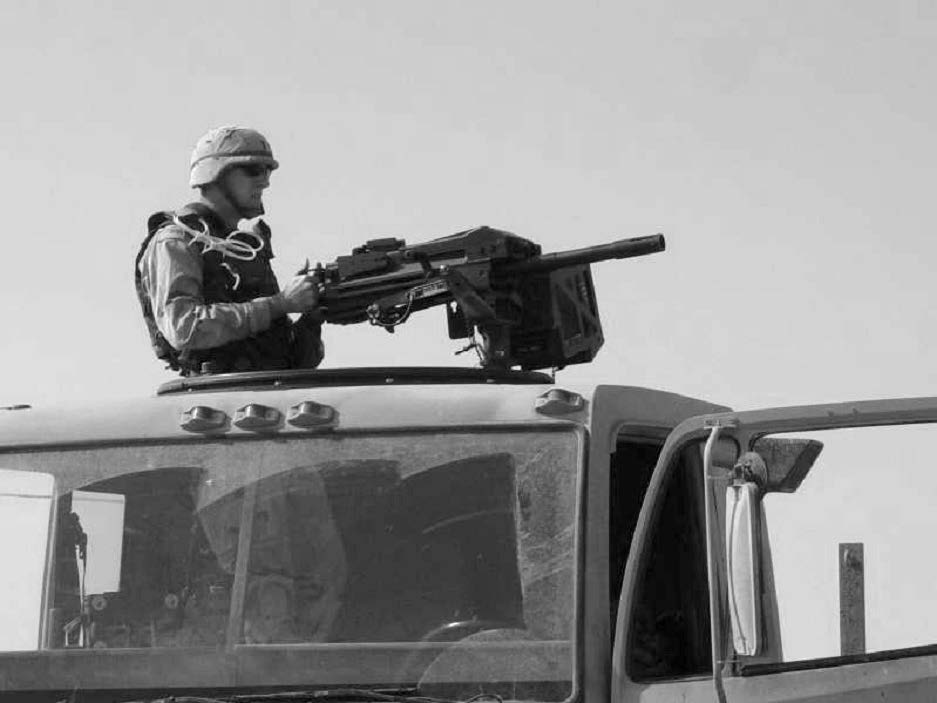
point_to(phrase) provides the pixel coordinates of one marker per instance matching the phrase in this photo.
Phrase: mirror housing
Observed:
(788, 460)
(743, 553)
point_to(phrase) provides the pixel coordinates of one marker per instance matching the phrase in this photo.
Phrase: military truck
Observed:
(455, 534)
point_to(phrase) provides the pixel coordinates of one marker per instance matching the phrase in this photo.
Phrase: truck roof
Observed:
(352, 400)
(373, 399)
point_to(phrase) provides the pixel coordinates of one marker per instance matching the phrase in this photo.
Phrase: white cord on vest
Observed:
(233, 248)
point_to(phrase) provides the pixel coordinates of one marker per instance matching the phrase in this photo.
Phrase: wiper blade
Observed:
(330, 695)
(326, 695)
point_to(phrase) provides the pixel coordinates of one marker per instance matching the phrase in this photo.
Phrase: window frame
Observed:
(744, 678)
(236, 651)
(755, 666)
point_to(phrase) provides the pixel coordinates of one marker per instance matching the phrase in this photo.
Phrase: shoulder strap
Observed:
(202, 211)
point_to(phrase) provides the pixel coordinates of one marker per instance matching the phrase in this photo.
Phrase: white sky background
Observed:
(787, 150)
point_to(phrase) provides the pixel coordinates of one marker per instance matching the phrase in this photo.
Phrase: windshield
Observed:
(445, 560)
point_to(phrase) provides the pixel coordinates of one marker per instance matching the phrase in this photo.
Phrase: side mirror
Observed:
(788, 460)
(743, 557)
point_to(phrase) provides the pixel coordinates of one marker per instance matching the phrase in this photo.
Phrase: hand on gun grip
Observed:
(301, 294)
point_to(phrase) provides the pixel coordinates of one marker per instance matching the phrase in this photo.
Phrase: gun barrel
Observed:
(622, 249)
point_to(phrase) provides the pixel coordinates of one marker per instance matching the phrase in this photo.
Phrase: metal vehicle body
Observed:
(456, 531)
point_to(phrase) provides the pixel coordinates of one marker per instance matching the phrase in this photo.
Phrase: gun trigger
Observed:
(422, 258)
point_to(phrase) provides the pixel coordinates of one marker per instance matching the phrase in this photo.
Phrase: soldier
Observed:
(209, 296)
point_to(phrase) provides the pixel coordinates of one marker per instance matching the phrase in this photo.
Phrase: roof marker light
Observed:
(202, 418)
(556, 401)
(256, 417)
(311, 414)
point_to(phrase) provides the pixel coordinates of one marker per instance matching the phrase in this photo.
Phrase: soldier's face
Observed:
(245, 186)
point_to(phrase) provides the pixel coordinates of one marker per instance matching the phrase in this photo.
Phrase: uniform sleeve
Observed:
(171, 273)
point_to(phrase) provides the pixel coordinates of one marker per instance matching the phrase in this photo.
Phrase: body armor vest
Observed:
(224, 280)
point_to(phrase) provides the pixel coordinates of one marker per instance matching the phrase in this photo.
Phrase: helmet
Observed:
(227, 146)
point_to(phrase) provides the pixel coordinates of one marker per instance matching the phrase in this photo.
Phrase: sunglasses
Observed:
(255, 170)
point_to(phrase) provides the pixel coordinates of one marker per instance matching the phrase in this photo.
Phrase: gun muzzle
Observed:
(622, 249)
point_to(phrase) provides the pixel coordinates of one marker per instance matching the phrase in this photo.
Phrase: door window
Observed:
(873, 489)
(670, 635)
(630, 469)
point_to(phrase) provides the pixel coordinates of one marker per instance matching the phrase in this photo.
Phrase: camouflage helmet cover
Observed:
(227, 146)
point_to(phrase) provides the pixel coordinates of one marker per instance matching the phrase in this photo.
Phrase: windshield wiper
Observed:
(326, 695)
(331, 695)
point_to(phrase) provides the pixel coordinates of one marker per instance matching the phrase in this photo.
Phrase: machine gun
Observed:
(517, 306)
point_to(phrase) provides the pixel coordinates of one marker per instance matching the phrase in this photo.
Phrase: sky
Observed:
(786, 150)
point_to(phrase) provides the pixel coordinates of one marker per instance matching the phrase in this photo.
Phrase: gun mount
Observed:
(517, 307)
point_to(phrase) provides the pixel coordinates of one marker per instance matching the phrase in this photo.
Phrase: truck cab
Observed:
(443, 533)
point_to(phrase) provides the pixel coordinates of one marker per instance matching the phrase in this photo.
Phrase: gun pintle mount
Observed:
(517, 307)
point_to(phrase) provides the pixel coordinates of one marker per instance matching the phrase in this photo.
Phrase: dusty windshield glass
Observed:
(444, 559)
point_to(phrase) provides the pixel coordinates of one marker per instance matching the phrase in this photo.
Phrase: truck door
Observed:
(662, 635)
(820, 565)
(629, 428)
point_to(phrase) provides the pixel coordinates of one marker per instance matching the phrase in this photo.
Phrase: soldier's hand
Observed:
(301, 294)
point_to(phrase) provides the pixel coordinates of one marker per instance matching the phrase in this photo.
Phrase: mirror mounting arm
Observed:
(750, 468)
